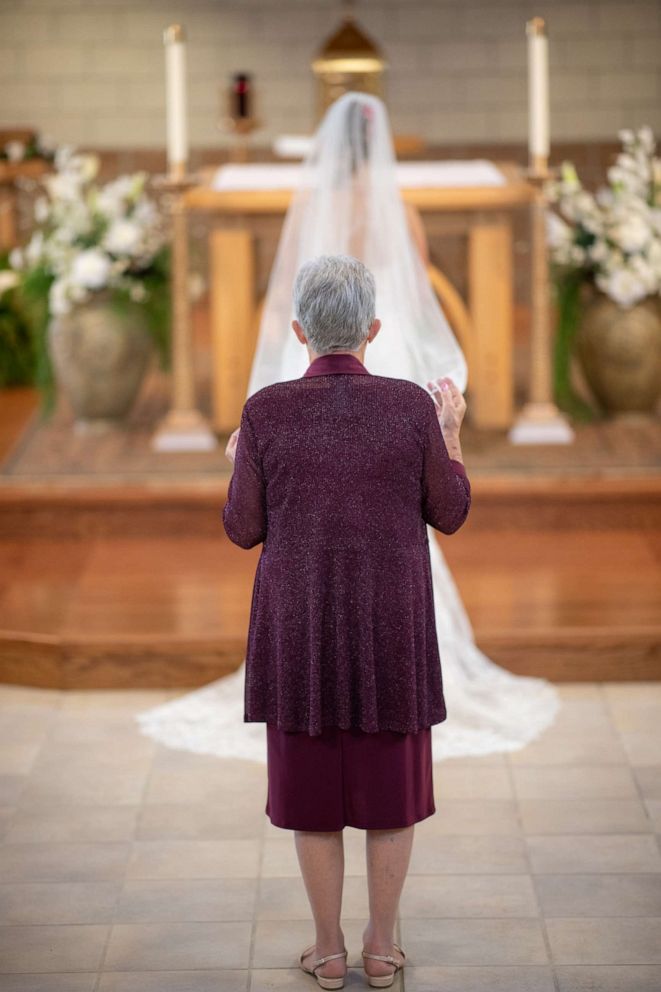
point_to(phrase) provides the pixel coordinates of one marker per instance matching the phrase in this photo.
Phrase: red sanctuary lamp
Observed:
(240, 120)
(241, 87)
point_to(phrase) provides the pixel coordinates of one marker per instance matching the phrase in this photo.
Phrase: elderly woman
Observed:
(338, 473)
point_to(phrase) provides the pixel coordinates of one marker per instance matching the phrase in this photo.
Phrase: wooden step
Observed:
(194, 506)
(140, 610)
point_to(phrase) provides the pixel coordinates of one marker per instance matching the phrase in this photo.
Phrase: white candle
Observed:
(175, 81)
(538, 89)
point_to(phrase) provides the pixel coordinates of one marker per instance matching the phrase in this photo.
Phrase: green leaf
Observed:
(567, 285)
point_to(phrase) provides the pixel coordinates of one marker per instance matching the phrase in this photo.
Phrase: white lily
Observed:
(90, 269)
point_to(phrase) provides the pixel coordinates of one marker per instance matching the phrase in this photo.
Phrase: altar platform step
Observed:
(118, 610)
(115, 570)
(154, 505)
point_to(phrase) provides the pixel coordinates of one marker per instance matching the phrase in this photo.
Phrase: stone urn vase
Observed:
(99, 357)
(620, 353)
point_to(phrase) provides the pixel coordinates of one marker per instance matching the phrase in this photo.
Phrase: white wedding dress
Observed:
(349, 202)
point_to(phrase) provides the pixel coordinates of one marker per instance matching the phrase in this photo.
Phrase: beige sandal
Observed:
(384, 981)
(325, 983)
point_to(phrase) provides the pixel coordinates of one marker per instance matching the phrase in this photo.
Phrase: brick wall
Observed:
(91, 72)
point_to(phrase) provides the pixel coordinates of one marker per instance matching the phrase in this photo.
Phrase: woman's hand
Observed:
(230, 450)
(450, 404)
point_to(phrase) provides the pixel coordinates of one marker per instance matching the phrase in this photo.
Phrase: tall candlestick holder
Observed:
(184, 428)
(540, 421)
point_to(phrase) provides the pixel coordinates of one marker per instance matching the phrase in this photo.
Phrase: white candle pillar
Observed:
(175, 80)
(538, 94)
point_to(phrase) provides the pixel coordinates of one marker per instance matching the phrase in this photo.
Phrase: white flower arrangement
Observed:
(39, 146)
(91, 238)
(614, 235)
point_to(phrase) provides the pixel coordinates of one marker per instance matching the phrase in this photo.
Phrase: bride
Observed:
(348, 202)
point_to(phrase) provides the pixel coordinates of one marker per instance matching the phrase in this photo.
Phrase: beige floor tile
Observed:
(600, 747)
(71, 982)
(112, 700)
(175, 946)
(52, 948)
(599, 895)
(18, 757)
(649, 781)
(653, 807)
(628, 693)
(588, 853)
(590, 714)
(242, 817)
(471, 782)
(230, 980)
(63, 862)
(468, 895)
(473, 942)
(642, 747)
(480, 979)
(228, 772)
(473, 854)
(194, 859)
(25, 903)
(579, 690)
(24, 727)
(471, 816)
(574, 782)
(11, 788)
(220, 781)
(609, 978)
(83, 780)
(97, 730)
(27, 697)
(6, 815)
(109, 747)
(200, 899)
(39, 824)
(613, 940)
(635, 717)
(471, 761)
(573, 816)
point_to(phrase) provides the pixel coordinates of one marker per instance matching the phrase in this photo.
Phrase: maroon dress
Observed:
(339, 473)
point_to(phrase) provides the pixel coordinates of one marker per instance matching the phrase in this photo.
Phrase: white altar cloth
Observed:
(410, 175)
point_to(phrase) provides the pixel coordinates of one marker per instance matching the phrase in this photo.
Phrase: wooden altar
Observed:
(485, 214)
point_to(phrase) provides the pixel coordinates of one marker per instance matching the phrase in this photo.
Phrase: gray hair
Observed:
(334, 302)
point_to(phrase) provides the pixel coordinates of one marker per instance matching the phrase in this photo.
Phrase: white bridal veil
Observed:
(348, 202)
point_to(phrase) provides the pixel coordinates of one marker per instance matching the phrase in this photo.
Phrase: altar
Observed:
(478, 198)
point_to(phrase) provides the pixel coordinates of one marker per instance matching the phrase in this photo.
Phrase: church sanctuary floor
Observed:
(126, 866)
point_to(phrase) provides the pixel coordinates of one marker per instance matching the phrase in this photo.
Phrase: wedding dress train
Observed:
(489, 709)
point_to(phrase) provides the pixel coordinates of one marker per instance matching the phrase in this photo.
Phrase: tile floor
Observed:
(129, 867)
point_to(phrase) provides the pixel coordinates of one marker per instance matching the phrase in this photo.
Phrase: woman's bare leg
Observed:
(388, 853)
(321, 857)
